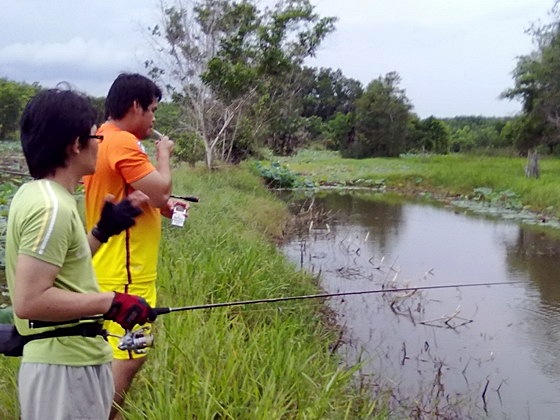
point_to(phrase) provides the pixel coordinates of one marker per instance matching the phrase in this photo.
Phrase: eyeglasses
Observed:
(95, 136)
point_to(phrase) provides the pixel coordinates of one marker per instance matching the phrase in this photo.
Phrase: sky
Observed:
(454, 57)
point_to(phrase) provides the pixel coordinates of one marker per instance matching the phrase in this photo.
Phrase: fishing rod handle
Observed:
(161, 311)
(191, 198)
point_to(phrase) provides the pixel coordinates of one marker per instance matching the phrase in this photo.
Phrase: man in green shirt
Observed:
(48, 263)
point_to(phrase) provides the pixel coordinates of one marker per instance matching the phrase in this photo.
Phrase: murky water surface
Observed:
(490, 350)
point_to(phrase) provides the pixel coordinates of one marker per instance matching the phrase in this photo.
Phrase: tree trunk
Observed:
(532, 167)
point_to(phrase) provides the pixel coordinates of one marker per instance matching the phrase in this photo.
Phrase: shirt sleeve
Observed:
(129, 159)
(45, 234)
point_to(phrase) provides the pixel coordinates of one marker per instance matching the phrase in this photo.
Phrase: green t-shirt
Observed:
(44, 223)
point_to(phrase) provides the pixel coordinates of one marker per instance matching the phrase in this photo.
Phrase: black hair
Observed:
(50, 122)
(126, 89)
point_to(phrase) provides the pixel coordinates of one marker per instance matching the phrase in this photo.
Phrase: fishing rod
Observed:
(166, 310)
(138, 340)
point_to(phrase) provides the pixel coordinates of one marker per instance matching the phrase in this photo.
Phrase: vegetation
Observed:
(235, 75)
(259, 361)
(13, 97)
(537, 85)
(437, 176)
(232, 68)
(275, 359)
(237, 85)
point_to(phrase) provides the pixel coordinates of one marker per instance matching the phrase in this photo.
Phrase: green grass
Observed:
(456, 174)
(241, 362)
(272, 360)
(260, 361)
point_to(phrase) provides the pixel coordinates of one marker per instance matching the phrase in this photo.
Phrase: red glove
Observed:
(130, 310)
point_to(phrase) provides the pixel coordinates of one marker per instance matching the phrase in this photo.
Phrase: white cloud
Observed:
(454, 56)
(82, 62)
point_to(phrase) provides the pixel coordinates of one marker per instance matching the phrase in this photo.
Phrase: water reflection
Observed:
(490, 350)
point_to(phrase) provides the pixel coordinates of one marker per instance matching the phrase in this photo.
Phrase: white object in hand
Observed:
(179, 215)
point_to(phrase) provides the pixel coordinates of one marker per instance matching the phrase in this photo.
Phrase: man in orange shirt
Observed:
(128, 262)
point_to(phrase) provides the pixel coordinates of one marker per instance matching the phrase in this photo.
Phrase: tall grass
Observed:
(260, 361)
(9, 408)
(266, 361)
(456, 174)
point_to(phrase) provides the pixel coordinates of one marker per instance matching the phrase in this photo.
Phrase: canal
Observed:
(470, 352)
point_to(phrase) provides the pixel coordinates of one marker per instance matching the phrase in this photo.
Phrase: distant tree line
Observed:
(237, 85)
(13, 97)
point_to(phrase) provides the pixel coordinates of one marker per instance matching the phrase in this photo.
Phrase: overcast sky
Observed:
(454, 57)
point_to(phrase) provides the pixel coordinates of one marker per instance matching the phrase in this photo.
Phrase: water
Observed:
(469, 352)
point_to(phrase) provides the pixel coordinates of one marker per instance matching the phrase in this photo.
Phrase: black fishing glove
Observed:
(130, 310)
(114, 219)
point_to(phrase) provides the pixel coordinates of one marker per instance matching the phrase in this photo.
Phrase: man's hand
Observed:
(164, 147)
(130, 310)
(117, 217)
(167, 210)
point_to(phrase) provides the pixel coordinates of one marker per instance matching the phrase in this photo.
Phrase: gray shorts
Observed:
(65, 392)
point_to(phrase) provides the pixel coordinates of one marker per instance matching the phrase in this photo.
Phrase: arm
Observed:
(35, 296)
(157, 184)
(94, 243)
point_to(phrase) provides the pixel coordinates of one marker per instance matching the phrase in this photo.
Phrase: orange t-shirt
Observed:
(131, 256)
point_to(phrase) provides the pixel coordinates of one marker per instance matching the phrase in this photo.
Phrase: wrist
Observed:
(100, 236)
(109, 297)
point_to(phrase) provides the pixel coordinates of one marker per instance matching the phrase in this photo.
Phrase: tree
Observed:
(340, 130)
(229, 63)
(537, 82)
(382, 115)
(13, 97)
(463, 140)
(328, 92)
(430, 135)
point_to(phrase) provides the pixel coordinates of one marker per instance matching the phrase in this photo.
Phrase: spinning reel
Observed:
(136, 341)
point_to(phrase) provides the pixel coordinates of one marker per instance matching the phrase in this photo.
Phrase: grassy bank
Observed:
(261, 361)
(272, 360)
(448, 175)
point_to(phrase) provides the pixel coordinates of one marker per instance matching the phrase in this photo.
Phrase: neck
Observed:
(124, 124)
(66, 178)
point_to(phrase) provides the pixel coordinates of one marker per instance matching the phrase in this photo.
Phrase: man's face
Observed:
(145, 121)
(89, 153)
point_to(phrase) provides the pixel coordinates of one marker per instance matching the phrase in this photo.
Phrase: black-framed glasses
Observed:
(95, 136)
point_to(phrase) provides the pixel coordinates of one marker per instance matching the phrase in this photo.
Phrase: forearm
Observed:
(55, 304)
(164, 169)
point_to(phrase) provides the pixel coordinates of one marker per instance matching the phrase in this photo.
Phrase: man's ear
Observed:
(75, 147)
